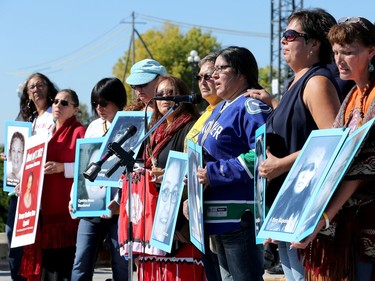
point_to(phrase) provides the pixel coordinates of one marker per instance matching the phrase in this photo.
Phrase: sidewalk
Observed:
(104, 273)
(100, 274)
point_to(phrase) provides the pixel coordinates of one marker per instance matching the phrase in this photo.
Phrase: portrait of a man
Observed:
(169, 201)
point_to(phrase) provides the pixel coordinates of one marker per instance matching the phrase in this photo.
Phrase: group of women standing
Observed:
(311, 101)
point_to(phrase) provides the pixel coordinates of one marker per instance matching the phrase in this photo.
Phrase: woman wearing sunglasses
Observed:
(54, 247)
(36, 99)
(310, 101)
(351, 255)
(107, 98)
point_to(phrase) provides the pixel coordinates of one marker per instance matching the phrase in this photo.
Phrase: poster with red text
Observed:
(27, 213)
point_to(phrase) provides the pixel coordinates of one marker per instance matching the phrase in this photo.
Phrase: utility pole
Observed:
(131, 49)
(280, 11)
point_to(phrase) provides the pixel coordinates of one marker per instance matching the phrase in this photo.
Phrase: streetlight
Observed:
(193, 59)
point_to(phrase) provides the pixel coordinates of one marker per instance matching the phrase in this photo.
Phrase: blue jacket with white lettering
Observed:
(228, 141)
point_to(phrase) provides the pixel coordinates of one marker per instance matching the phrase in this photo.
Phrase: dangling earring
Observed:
(28, 103)
(371, 67)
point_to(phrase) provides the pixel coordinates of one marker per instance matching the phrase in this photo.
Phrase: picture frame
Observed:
(338, 169)
(195, 195)
(301, 184)
(16, 134)
(169, 200)
(122, 121)
(28, 204)
(260, 183)
(88, 200)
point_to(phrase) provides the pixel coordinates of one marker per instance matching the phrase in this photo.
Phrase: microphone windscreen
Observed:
(196, 99)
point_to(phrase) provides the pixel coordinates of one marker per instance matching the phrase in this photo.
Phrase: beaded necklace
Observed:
(364, 94)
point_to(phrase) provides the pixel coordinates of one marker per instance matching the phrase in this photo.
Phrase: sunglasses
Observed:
(164, 93)
(139, 86)
(102, 103)
(290, 35)
(352, 20)
(62, 102)
(205, 77)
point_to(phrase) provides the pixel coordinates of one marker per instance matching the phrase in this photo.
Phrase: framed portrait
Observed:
(122, 121)
(28, 204)
(333, 178)
(259, 182)
(16, 135)
(88, 200)
(301, 184)
(169, 200)
(195, 195)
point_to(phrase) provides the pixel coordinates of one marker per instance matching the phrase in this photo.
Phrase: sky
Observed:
(77, 42)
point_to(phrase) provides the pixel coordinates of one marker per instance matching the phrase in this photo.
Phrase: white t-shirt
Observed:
(44, 122)
(97, 129)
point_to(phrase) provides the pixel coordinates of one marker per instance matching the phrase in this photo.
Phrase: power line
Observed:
(57, 64)
(210, 28)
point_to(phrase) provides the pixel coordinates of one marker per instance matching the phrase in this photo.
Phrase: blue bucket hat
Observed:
(145, 71)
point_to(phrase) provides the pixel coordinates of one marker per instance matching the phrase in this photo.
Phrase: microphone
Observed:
(129, 132)
(194, 98)
(94, 168)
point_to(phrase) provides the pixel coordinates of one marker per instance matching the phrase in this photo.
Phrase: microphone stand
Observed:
(127, 160)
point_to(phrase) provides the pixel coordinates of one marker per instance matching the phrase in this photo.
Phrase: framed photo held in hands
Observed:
(16, 135)
(259, 182)
(88, 200)
(169, 201)
(301, 185)
(120, 126)
(195, 196)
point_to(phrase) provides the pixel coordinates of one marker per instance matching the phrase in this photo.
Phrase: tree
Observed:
(171, 48)
(83, 115)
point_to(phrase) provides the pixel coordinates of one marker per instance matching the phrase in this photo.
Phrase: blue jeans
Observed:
(240, 259)
(292, 265)
(90, 236)
(210, 262)
(15, 254)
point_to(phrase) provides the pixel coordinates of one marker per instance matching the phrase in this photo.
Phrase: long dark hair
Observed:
(109, 89)
(180, 89)
(243, 62)
(27, 106)
(316, 23)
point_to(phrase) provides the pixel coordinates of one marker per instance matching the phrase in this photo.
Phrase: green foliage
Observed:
(171, 48)
(83, 115)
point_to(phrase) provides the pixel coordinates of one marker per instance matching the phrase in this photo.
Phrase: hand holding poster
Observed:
(27, 213)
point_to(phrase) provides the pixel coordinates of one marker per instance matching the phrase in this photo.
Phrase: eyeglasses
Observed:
(102, 103)
(38, 86)
(164, 93)
(62, 102)
(165, 195)
(290, 35)
(352, 20)
(220, 68)
(205, 77)
(139, 86)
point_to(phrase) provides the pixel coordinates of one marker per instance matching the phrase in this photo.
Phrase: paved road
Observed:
(101, 274)
(105, 273)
